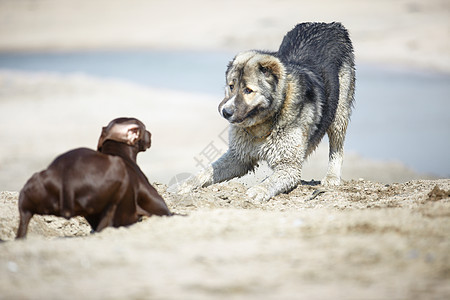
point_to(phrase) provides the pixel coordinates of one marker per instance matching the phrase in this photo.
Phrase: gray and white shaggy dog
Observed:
(281, 104)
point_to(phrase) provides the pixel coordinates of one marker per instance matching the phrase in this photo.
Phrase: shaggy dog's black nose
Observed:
(227, 112)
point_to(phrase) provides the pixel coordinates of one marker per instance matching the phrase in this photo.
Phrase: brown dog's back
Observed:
(79, 182)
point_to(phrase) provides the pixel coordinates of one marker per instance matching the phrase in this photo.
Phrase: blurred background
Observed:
(68, 67)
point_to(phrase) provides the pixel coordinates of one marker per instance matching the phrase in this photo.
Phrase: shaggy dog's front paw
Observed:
(259, 193)
(331, 181)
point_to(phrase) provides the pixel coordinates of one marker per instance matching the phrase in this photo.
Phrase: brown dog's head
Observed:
(255, 82)
(130, 131)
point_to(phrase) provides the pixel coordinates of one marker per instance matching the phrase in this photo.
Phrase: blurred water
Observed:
(400, 115)
(185, 71)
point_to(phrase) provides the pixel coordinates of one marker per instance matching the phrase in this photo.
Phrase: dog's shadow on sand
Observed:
(313, 183)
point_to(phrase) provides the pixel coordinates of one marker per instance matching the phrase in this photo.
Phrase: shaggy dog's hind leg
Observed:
(282, 180)
(337, 130)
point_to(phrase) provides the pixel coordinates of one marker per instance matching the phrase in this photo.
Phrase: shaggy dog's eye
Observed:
(248, 91)
(231, 87)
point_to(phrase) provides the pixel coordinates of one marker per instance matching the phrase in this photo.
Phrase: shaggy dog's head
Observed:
(253, 92)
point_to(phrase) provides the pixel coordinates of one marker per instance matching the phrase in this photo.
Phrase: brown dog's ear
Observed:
(146, 141)
(133, 134)
(124, 133)
(101, 139)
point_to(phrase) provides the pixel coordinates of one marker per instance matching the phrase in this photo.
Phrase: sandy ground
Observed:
(363, 240)
(382, 235)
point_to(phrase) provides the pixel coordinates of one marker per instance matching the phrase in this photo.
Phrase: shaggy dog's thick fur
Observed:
(281, 104)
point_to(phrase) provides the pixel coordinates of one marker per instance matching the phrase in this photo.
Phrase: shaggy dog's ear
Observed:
(271, 66)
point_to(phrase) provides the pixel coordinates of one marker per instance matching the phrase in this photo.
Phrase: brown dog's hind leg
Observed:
(25, 218)
(107, 218)
(151, 203)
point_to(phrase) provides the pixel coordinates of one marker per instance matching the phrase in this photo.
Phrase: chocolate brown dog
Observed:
(107, 187)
